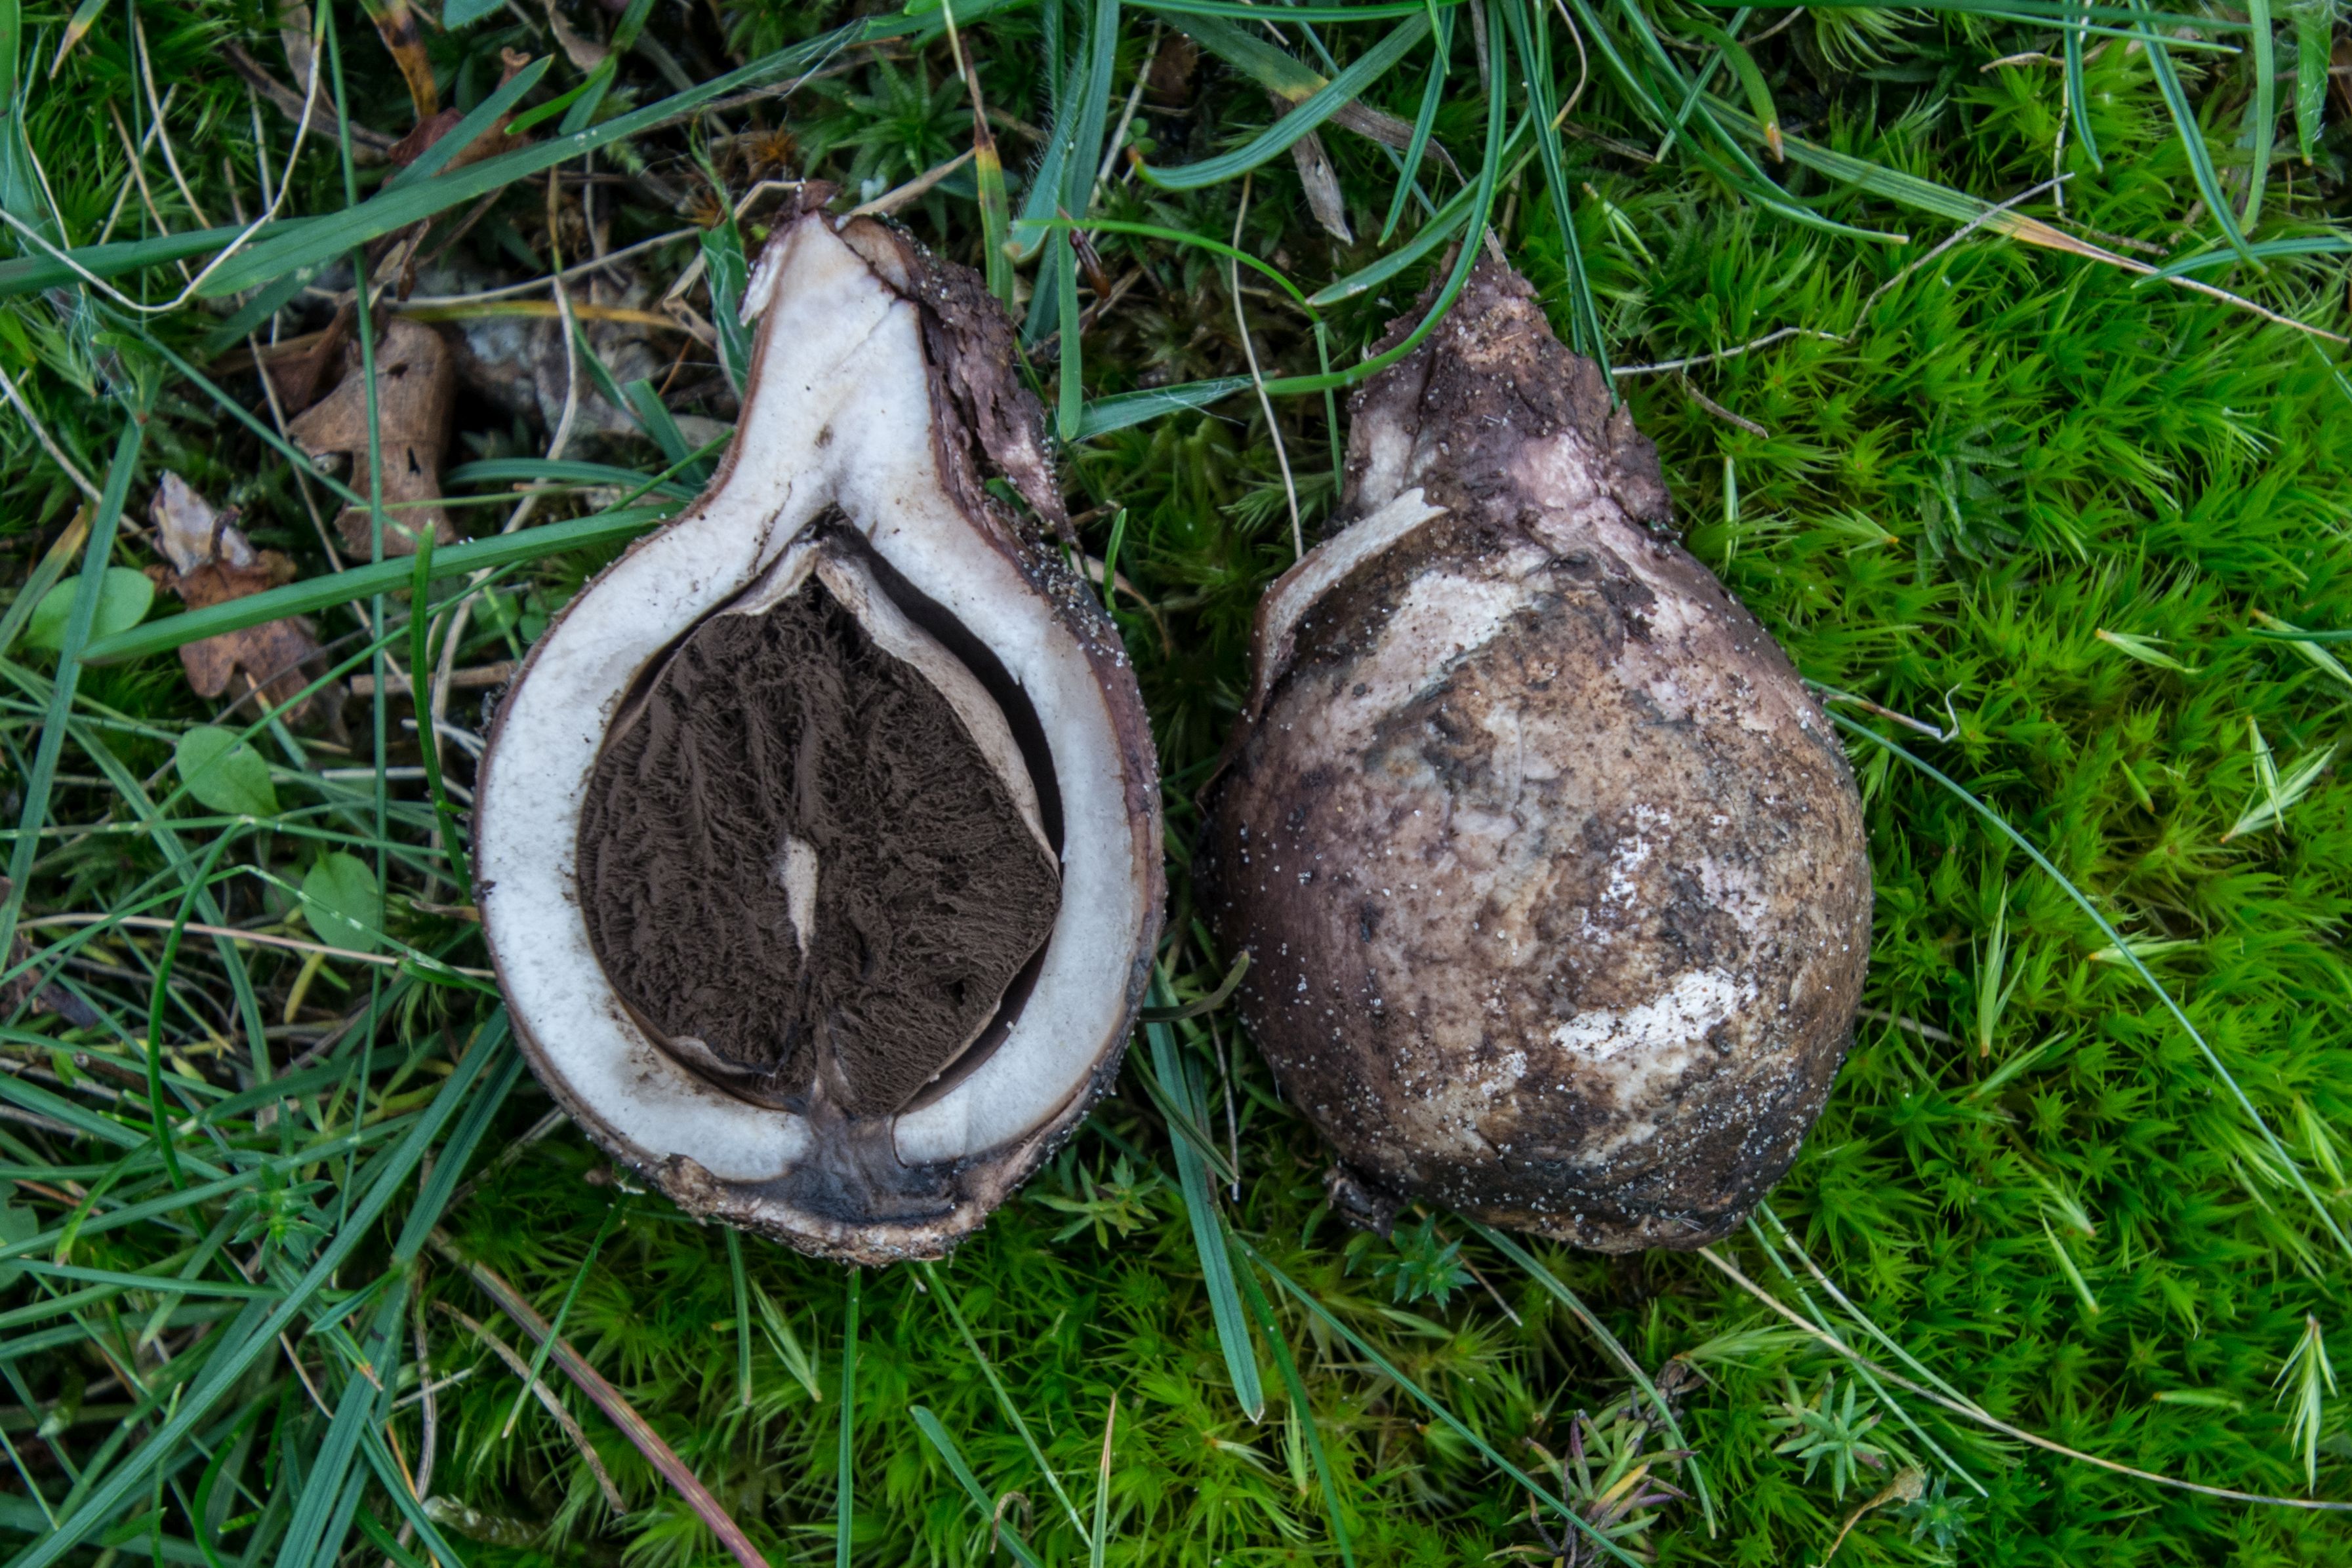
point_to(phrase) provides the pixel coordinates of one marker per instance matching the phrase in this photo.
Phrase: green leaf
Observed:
(123, 595)
(341, 901)
(459, 13)
(224, 773)
(2314, 26)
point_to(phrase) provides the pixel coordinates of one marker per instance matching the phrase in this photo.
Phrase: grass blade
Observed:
(1325, 1475)
(2262, 114)
(1131, 408)
(1559, 1292)
(548, 1340)
(1277, 138)
(468, 131)
(2193, 137)
(162, 636)
(2314, 29)
(310, 240)
(43, 774)
(1600, 1543)
(1431, 94)
(844, 1497)
(1584, 316)
(561, 471)
(1208, 1225)
(936, 1436)
(2078, 92)
(945, 1295)
(1099, 1537)
(255, 1333)
(742, 1317)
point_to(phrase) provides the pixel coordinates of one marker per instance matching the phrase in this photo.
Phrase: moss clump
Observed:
(1952, 476)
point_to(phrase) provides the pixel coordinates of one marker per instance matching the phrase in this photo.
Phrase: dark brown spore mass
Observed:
(931, 891)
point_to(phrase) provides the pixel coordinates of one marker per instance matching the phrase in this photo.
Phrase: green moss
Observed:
(1955, 472)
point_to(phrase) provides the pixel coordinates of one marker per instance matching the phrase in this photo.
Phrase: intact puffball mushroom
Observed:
(819, 838)
(1553, 873)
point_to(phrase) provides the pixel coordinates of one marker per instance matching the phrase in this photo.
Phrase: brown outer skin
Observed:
(1554, 877)
(985, 422)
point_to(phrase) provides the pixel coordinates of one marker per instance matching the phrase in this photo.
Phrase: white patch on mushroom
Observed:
(1665, 1025)
(796, 869)
(1298, 590)
(1640, 1052)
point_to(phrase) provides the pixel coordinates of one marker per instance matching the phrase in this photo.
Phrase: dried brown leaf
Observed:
(208, 560)
(433, 128)
(395, 24)
(414, 379)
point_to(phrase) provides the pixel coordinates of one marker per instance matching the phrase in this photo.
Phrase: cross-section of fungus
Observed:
(820, 836)
(1553, 873)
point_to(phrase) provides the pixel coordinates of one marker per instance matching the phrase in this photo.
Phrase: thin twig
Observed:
(1767, 340)
(1716, 409)
(914, 190)
(569, 274)
(261, 939)
(40, 434)
(606, 1398)
(547, 1399)
(1257, 380)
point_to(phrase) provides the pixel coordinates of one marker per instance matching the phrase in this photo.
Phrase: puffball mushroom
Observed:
(1553, 873)
(820, 836)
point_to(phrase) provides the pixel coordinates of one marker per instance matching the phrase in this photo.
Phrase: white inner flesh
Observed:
(841, 417)
(797, 870)
(1298, 590)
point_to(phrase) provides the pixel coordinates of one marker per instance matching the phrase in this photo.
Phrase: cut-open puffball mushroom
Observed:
(819, 838)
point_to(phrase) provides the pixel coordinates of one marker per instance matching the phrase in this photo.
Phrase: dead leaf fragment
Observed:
(433, 128)
(396, 24)
(51, 998)
(1322, 181)
(208, 560)
(583, 52)
(414, 378)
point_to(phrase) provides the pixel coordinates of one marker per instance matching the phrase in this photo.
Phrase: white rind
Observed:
(842, 417)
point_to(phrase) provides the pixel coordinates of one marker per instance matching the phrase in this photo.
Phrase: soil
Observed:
(781, 765)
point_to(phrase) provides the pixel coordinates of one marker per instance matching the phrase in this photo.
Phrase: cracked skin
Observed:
(1553, 873)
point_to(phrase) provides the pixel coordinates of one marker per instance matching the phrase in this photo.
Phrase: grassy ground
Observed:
(2061, 516)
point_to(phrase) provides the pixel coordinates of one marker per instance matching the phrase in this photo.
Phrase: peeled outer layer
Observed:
(881, 402)
(1553, 873)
